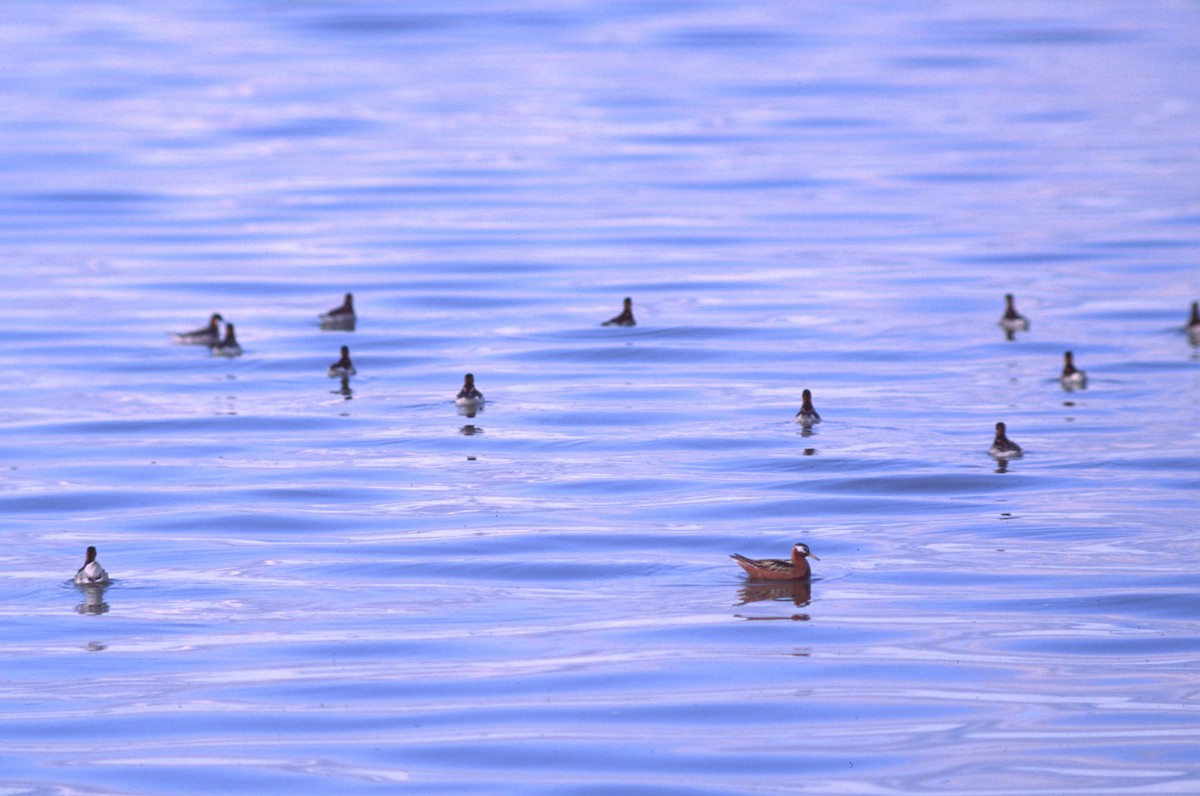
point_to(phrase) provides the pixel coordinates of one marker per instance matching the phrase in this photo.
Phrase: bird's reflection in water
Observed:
(339, 324)
(799, 592)
(470, 430)
(96, 646)
(344, 389)
(470, 410)
(1002, 465)
(810, 451)
(806, 432)
(93, 600)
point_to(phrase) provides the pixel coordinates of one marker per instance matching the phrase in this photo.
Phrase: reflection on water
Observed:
(93, 600)
(344, 388)
(789, 618)
(798, 591)
(470, 430)
(339, 324)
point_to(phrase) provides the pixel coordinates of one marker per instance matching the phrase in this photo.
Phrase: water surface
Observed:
(361, 589)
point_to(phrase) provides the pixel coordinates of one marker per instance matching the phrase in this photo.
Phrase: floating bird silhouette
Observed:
(343, 367)
(208, 335)
(342, 317)
(1012, 321)
(1072, 377)
(625, 318)
(229, 346)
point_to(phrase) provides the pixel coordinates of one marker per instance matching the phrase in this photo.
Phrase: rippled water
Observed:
(365, 590)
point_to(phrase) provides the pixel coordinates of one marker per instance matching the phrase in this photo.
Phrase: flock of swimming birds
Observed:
(795, 568)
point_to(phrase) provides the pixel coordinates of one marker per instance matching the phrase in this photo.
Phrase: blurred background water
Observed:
(367, 590)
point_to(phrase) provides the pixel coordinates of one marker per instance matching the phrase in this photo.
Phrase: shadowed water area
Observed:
(356, 587)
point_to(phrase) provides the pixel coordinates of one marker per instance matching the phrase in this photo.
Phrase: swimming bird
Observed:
(343, 367)
(468, 395)
(777, 569)
(1002, 446)
(1072, 377)
(1012, 321)
(206, 335)
(340, 317)
(91, 573)
(1193, 324)
(229, 346)
(625, 318)
(807, 416)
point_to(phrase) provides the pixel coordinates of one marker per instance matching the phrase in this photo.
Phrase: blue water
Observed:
(321, 589)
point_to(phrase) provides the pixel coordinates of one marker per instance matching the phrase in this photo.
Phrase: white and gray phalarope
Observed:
(1002, 446)
(807, 416)
(468, 395)
(340, 317)
(229, 346)
(343, 367)
(1012, 321)
(91, 573)
(1072, 378)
